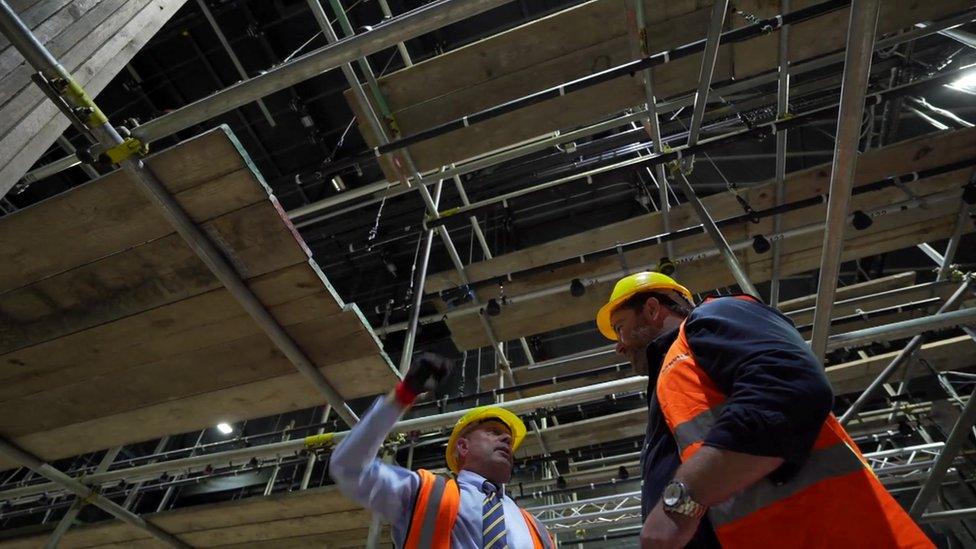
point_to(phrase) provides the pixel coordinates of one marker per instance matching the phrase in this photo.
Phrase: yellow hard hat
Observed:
(479, 415)
(631, 285)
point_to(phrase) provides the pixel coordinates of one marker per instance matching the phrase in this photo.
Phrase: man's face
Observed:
(486, 449)
(636, 329)
(631, 327)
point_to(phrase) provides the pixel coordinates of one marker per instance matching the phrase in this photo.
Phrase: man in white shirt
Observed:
(425, 511)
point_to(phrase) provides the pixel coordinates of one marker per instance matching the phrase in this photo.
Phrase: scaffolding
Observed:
(921, 469)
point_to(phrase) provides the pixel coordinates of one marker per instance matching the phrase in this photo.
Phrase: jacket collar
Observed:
(656, 351)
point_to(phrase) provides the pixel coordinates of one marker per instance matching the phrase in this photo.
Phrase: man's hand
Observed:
(664, 531)
(426, 372)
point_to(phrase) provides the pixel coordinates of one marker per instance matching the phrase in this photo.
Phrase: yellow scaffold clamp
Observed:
(128, 147)
(320, 442)
(956, 275)
(393, 442)
(91, 497)
(87, 110)
(446, 213)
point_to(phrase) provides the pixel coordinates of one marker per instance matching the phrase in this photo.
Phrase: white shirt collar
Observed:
(476, 480)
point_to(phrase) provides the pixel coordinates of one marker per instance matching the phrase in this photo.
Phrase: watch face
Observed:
(672, 494)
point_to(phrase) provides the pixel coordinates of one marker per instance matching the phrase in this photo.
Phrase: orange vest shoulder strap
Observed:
(434, 513)
(540, 535)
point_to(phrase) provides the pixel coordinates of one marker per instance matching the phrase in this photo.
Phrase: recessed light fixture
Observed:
(225, 428)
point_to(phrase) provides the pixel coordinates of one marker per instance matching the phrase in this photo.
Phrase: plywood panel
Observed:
(107, 46)
(919, 153)
(958, 353)
(152, 336)
(802, 253)
(589, 431)
(149, 276)
(136, 339)
(207, 525)
(60, 25)
(226, 364)
(95, 210)
(285, 393)
(584, 40)
(869, 287)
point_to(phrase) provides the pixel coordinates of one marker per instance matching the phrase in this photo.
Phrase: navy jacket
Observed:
(777, 393)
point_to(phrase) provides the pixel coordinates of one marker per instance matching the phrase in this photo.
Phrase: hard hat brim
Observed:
(603, 317)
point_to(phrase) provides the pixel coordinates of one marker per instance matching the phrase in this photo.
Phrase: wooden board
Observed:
(902, 296)
(273, 521)
(846, 378)
(958, 353)
(931, 151)
(123, 326)
(850, 377)
(801, 253)
(93, 39)
(861, 289)
(586, 432)
(584, 40)
(871, 295)
(95, 210)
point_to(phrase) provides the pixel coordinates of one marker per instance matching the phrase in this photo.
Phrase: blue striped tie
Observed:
(493, 518)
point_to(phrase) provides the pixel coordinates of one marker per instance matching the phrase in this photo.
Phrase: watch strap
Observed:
(685, 505)
(688, 507)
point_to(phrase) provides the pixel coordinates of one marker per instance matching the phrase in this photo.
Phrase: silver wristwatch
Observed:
(677, 499)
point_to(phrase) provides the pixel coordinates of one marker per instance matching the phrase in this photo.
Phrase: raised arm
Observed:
(386, 489)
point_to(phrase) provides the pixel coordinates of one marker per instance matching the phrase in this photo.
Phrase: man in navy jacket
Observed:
(773, 412)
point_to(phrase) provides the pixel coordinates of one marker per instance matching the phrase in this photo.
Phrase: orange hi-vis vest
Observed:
(834, 499)
(436, 511)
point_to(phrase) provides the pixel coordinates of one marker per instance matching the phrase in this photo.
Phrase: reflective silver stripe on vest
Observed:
(695, 429)
(834, 461)
(540, 529)
(430, 514)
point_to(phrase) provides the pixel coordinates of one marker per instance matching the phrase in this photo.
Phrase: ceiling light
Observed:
(338, 184)
(665, 266)
(576, 288)
(225, 428)
(861, 220)
(760, 244)
(969, 193)
(965, 83)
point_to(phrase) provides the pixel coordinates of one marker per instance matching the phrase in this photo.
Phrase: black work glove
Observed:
(426, 372)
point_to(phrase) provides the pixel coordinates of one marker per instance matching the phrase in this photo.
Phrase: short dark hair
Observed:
(677, 304)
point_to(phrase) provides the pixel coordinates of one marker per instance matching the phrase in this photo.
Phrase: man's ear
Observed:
(651, 309)
(461, 445)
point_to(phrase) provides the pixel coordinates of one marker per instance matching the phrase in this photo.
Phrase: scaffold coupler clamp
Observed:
(393, 443)
(320, 443)
(58, 90)
(93, 493)
(128, 147)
